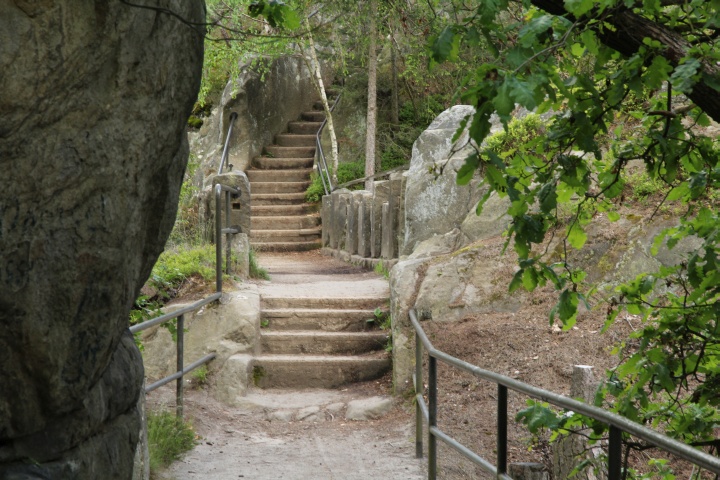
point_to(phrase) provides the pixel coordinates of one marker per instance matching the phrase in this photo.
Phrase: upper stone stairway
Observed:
(281, 219)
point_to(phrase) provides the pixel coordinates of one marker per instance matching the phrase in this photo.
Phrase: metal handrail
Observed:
(401, 168)
(225, 154)
(182, 369)
(322, 164)
(617, 423)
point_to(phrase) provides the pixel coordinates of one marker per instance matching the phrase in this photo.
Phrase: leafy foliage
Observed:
(609, 108)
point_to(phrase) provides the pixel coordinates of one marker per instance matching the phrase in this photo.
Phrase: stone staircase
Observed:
(313, 342)
(281, 219)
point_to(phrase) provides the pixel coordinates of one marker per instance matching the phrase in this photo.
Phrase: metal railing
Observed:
(618, 424)
(401, 168)
(182, 370)
(226, 147)
(323, 170)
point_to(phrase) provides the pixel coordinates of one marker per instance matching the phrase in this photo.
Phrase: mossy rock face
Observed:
(194, 122)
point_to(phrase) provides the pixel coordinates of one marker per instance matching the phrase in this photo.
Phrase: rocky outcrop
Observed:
(435, 204)
(264, 104)
(95, 96)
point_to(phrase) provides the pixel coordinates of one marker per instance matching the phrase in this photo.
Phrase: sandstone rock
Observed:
(436, 204)
(95, 98)
(228, 328)
(492, 221)
(310, 414)
(368, 408)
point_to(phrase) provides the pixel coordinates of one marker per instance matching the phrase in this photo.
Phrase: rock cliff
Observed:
(95, 97)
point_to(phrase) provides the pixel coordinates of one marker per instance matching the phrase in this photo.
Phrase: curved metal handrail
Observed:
(617, 423)
(225, 154)
(182, 369)
(322, 164)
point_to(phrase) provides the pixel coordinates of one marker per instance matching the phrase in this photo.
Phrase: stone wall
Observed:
(95, 98)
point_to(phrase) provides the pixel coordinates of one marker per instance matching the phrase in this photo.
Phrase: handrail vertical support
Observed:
(432, 417)
(218, 240)
(615, 453)
(180, 366)
(418, 391)
(502, 402)
(228, 236)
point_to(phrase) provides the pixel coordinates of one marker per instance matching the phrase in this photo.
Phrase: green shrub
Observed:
(168, 438)
(256, 271)
(181, 262)
(347, 172)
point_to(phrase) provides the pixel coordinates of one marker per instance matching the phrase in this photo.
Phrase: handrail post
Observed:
(180, 366)
(228, 236)
(502, 402)
(615, 453)
(418, 391)
(432, 417)
(218, 240)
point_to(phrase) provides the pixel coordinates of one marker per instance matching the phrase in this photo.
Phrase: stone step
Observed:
(322, 343)
(277, 222)
(297, 235)
(304, 127)
(317, 371)
(295, 140)
(282, 210)
(294, 175)
(296, 246)
(277, 198)
(276, 151)
(278, 187)
(325, 315)
(273, 163)
(313, 116)
(342, 304)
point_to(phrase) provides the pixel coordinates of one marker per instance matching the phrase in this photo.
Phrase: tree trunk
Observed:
(394, 102)
(372, 100)
(630, 29)
(314, 66)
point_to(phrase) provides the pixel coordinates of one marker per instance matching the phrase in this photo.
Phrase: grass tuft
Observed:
(168, 438)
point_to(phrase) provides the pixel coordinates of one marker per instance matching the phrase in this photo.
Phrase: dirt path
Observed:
(300, 434)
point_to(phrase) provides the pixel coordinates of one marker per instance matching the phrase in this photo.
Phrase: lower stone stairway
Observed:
(281, 219)
(319, 343)
(318, 329)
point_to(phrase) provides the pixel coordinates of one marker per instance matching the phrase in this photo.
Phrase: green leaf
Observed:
(444, 45)
(467, 171)
(548, 197)
(613, 216)
(578, 7)
(577, 236)
(522, 93)
(503, 103)
(685, 75)
(538, 415)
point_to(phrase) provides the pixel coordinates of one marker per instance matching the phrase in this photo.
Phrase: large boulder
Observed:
(95, 98)
(436, 204)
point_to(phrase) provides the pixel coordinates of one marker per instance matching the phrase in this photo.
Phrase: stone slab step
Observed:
(332, 305)
(322, 343)
(278, 187)
(282, 210)
(295, 140)
(277, 151)
(303, 246)
(327, 319)
(317, 371)
(274, 163)
(277, 198)
(313, 116)
(279, 222)
(292, 175)
(284, 236)
(304, 127)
